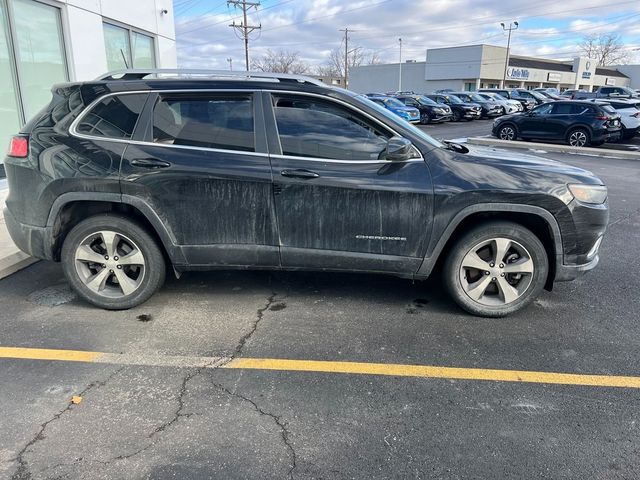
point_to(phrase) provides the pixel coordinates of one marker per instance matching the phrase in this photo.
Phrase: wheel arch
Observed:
(540, 221)
(69, 208)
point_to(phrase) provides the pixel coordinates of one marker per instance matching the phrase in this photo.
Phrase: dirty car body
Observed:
(293, 175)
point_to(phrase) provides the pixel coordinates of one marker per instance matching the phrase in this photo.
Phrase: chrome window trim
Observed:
(74, 132)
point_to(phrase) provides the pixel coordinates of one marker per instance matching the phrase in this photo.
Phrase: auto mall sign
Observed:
(518, 73)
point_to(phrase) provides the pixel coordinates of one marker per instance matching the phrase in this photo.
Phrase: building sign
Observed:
(586, 75)
(611, 81)
(554, 77)
(518, 73)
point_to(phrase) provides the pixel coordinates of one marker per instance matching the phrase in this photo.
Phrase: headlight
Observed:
(595, 194)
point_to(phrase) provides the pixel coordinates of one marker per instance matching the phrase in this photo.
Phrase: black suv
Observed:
(489, 109)
(578, 123)
(460, 110)
(119, 177)
(430, 111)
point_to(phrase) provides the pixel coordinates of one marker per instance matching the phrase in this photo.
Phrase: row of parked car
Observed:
(540, 114)
(448, 105)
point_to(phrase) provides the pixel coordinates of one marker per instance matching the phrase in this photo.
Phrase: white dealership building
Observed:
(43, 42)
(483, 66)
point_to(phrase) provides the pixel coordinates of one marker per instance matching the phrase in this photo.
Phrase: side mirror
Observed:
(398, 149)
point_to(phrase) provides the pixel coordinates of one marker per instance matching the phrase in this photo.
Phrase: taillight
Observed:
(602, 117)
(637, 115)
(19, 147)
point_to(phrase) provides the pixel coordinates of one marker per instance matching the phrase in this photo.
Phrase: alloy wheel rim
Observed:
(578, 139)
(496, 272)
(507, 133)
(110, 264)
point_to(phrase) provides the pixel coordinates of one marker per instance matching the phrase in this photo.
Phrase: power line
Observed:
(244, 28)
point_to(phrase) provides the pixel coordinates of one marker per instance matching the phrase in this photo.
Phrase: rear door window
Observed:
(207, 120)
(114, 116)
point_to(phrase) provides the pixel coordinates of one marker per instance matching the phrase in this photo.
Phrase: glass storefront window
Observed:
(116, 40)
(9, 109)
(39, 52)
(143, 54)
(128, 49)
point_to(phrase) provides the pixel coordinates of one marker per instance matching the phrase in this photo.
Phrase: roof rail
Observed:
(139, 74)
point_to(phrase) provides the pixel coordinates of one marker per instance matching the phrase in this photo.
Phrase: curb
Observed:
(14, 262)
(590, 151)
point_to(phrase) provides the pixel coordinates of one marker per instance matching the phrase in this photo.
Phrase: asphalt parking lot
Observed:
(193, 384)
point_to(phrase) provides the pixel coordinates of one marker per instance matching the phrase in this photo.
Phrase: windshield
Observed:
(395, 120)
(477, 98)
(538, 95)
(454, 99)
(393, 102)
(422, 100)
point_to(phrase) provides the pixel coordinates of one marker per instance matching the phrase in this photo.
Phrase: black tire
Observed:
(425, 119)
(503, 132)
(456, 116)
(154, 267)
(533, 283)
(582, 133)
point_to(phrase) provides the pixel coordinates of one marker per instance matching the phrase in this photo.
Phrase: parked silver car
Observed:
(509, 106)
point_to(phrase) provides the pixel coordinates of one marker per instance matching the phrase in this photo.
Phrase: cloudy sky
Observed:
(548, 28)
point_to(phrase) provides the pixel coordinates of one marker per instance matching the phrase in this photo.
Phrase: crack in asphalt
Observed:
(183, 388)
(249, 334)
(23, 472)
(284, 432)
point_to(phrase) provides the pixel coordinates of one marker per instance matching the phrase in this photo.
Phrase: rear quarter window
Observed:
(114, 116)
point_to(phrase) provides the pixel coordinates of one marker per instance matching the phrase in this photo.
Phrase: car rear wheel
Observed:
(578, 137)
(507, 132)
(112, 262)
(496, 269)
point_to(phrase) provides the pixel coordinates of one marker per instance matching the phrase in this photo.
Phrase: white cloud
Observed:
(312, 27)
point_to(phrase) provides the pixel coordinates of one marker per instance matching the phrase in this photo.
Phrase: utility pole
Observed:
(400, 70)
(244, 28)
(230, 60)
(346, 55)
(506, 61)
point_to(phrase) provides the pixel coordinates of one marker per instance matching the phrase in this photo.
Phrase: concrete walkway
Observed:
(11, 259)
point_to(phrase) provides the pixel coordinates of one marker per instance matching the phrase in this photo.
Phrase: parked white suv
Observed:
(629, 111)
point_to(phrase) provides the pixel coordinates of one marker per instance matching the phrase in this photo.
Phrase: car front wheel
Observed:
(496, 269)
(112, 262)
(507, 132)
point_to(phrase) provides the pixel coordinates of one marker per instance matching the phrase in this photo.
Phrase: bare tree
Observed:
(334, 66)
(280, 61)
(606, 48)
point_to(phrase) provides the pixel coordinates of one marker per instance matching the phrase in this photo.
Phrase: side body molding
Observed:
(432, 257)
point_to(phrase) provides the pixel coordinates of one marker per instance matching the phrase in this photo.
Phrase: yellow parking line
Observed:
(318, 366)
(48, 354)
(425, 371)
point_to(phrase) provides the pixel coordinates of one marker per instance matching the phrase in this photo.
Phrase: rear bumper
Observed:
(30, 239)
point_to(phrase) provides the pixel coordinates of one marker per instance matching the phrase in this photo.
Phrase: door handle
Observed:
(150, 163)
(299, 173)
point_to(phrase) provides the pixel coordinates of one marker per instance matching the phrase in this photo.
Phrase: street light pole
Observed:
(400, 69)
(506, 61)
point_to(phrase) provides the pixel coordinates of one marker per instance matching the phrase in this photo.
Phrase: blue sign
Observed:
(518, 73)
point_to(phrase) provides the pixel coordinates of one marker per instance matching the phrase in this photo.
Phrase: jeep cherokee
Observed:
(120, 177)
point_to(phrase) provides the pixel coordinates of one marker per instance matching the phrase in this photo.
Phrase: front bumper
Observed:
(566, 273)
(471, 114)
